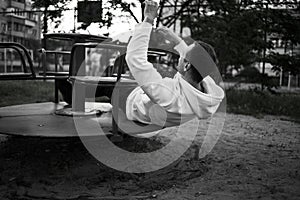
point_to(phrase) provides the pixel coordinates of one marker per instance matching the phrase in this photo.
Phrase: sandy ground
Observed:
(255, 158)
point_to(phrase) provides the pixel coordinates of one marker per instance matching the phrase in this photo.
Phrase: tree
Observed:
(53, 11)
(286, 29)
(235, 32)
(289, 63)
(53, 14)
(240, 32)
(108, 14)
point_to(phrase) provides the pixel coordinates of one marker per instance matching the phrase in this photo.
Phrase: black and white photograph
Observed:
(149, 99)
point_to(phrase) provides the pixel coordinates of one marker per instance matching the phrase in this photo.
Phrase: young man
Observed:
(192, 92)
(168, 101)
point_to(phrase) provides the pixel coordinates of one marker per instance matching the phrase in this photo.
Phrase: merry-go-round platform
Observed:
(41, 120)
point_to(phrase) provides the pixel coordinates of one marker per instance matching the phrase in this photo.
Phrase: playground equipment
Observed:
(55, 119)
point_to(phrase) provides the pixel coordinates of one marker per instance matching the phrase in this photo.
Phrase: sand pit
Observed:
(255, 158)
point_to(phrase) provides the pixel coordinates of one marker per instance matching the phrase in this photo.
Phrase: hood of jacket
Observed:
(202, 104)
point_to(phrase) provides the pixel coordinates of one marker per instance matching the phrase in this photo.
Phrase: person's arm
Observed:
(181, 48)
(159, 90)
(179, 45)
(136, 57)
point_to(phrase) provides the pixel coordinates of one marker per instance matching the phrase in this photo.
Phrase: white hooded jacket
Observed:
(178, 100)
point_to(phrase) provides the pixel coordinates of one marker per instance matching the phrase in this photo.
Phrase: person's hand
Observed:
(169, 35)
(151, 9)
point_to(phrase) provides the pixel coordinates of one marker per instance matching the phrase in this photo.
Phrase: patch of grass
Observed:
(21, 92)
(255, 102)
(249, 102)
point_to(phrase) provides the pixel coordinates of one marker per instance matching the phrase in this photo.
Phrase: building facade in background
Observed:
(17, 25)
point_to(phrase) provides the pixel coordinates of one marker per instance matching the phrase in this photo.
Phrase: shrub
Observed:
(254, 102)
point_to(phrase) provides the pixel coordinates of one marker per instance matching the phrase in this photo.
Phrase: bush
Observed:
(254, 102)
(250, 75)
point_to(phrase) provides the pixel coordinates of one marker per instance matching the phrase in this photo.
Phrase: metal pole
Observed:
(11, 61)
(78, 90)
(74, 30)
(289, 81)
(281, 77)
(265, 49)
(175, 10)
(44, 57)
(55, 81)
(5, 61)
(45, 28)
(143, 8)
(44, 45)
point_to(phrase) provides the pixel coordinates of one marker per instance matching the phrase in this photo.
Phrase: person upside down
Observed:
(168, 101)
(192, 92)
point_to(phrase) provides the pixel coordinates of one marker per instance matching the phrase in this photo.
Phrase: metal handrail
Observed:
(15, 46)
(91, 45)
(55, 52)
(123, 49)
(76, 37)
(21, 56)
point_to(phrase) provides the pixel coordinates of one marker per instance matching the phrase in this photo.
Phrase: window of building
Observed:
(34, 31)
(9, 26)
(3, 27)
(26, 29)
(18, 39)
(29, 15)
(32, 16)
(1, 56)
(18, 12)
(18, 27)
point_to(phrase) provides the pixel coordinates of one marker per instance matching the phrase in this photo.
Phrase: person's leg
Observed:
(119, 107)
(103, 92)
(123, 94)
(65, 88)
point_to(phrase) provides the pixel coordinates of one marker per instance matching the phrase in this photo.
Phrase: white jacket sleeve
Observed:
(160, 90)
(181, 48)
(136, 56)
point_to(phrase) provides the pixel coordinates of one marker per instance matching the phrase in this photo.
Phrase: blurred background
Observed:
(257, 42)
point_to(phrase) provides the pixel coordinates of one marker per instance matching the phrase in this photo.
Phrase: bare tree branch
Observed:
(162, 3)
(177, 14)
(127, 8)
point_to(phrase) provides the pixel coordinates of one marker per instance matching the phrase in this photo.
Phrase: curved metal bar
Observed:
(91, 45)
(122, 48)
(58, 52)
(44, 52)
(21, 56)
(10, 44)
(76, 37)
